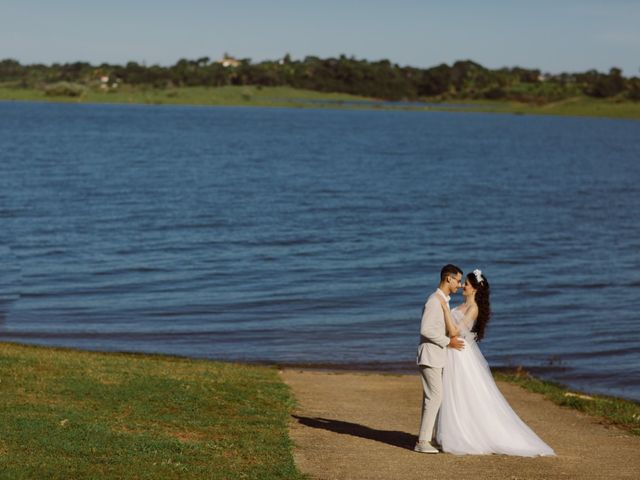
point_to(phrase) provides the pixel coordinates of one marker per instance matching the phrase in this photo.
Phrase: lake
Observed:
(315, 235)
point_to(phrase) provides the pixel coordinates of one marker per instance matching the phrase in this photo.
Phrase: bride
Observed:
(475, 418)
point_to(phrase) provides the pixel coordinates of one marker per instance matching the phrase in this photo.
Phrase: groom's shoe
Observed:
(425, 447)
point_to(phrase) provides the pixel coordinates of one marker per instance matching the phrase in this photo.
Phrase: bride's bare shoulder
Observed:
(468, 310)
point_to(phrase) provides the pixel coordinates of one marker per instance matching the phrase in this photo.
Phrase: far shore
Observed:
(255, 96)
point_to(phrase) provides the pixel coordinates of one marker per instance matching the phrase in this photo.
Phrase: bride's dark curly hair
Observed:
(482, 300)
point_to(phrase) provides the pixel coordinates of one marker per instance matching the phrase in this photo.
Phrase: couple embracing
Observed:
(463, 412)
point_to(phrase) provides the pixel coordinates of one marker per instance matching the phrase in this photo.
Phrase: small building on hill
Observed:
(229, 61)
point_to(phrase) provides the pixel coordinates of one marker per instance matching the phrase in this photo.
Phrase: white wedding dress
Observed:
(475, 418)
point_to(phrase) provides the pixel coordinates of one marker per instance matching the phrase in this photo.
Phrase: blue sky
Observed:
(554, 36)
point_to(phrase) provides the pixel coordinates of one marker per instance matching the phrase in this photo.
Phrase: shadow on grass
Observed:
(390, 437)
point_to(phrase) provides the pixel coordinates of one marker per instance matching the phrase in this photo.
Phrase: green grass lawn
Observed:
(72, 414)
(612, 410)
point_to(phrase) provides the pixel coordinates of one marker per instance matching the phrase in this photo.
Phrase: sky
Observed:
(553, 36)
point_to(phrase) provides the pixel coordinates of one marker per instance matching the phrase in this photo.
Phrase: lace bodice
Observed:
(463, 327)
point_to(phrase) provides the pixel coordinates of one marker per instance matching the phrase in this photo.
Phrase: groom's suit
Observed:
(431, 360)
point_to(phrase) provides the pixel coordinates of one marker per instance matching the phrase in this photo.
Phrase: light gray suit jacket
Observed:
(433, 334)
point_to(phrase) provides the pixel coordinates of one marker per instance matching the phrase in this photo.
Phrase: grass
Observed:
(74, 414)
(580, 106)
(614, 411)
(222, 96)
(292, 97)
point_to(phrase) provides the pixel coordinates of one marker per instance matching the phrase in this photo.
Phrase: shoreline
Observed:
(597, 404)
(286, 97)
(407, 368)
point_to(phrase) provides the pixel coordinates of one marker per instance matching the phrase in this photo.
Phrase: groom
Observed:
(432, 354)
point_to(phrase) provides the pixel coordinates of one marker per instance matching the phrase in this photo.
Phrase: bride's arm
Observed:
(451, 328)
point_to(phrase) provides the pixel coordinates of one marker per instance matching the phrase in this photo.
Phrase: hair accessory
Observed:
(478, 273)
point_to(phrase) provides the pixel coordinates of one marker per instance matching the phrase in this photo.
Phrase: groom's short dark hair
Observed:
(449, 270)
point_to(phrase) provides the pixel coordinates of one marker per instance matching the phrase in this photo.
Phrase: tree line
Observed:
(377, 79)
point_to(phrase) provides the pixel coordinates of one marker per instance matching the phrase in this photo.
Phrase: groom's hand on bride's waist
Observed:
(455, 342)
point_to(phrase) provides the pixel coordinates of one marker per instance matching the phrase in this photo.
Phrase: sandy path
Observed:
(364, 426)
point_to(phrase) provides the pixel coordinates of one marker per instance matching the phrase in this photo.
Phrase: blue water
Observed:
(314, 236)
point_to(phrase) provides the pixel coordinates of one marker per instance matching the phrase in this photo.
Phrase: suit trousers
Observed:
(431, 401)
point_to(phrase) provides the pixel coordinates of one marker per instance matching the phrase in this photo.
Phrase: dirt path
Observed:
(364, 426)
